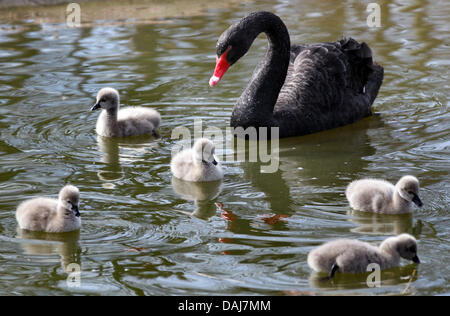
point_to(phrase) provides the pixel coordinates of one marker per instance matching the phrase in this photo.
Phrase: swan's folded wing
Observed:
(329, 84)
(295, 50)
(325, 77)
(316, 80)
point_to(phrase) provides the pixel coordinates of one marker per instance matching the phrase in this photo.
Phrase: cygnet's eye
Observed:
(102, 100)
(69, 202)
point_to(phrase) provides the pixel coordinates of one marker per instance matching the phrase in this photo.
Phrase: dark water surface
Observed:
(139, 235)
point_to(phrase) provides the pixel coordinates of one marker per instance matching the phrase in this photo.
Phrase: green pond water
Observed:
(145, 234)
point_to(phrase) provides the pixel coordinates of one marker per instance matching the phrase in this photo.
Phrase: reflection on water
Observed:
(382, 224)
(111, 170)
(116, 149)
(136, 238)
(66, 245)
(320, 162)
(202, 193)
(401, 277)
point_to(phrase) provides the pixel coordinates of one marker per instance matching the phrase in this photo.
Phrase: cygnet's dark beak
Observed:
(75, 210)
(417, 200)
(96, 107)
(214, 162)
(416, 259)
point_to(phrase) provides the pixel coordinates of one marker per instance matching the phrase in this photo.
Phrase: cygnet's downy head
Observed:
(408, 188)
(406, 246)
(107, 99)
(204, 150)
(69, 198)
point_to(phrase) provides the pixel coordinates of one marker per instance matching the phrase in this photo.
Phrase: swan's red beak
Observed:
(222, 66)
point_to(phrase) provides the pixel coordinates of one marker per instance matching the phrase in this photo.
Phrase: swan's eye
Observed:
(226, 51)
(222, 51)
(103, 100)
(69, 202)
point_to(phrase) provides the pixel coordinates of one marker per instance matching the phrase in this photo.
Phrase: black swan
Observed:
(301, 89)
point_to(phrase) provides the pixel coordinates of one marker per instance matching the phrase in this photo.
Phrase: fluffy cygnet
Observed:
(131, 121)
(379, 196)
(51, 215)
(197, 164)
(353, 256)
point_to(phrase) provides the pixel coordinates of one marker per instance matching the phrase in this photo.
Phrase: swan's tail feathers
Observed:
(366, 74)
(374, 81)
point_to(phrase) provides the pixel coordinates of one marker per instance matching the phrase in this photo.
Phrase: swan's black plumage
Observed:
(304, 88)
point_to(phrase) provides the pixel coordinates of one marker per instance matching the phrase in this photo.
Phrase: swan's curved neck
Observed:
(112, 112)
(257, 102)
(110, 121)
(389, 252)
(399, 203)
